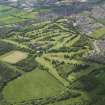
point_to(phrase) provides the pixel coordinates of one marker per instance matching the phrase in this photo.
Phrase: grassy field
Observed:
(10, 15)
(99, 33)
(13, 57)
(35, 84)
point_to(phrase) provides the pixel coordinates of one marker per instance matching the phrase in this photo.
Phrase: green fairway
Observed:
(35, 84)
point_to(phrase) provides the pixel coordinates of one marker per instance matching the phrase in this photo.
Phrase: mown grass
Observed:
(10, 15)
(35, 84)
(99, 33)
(63, 62)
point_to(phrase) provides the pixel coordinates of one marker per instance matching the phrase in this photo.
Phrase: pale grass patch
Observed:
(13, 56)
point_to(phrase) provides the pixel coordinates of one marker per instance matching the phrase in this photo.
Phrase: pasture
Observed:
(33, 85)
(10, 15)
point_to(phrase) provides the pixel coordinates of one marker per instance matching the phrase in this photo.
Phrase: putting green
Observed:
(13, 56)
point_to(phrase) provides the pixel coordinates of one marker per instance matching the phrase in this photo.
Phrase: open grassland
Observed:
(36, 84)
(10, 15)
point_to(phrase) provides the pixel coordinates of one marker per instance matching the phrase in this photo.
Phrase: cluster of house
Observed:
(89, 21)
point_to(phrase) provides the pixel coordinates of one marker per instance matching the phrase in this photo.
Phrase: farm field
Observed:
(10, 15)
(13, 56)
(51, 61)
(36, 84)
